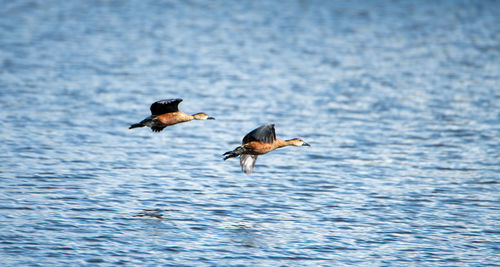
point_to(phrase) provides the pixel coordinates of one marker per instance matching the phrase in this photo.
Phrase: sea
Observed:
(399, 100)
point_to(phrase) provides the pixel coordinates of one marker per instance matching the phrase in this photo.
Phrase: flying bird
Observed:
(259, 142)
(166, 113)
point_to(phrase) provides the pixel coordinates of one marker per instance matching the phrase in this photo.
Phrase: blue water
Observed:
(400, 101)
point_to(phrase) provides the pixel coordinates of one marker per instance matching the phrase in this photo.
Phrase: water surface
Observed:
(399, 100)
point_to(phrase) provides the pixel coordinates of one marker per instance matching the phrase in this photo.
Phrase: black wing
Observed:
(165, 106)
(264, 133)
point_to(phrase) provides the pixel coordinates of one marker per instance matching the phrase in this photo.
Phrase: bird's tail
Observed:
(136, 125)
(232, 154)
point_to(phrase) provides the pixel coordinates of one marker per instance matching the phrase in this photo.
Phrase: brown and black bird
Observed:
(166, 113)
(259, 142)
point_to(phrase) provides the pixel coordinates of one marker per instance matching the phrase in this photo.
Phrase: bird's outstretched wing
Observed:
(247, 162)
(264, 133)
(165, 106)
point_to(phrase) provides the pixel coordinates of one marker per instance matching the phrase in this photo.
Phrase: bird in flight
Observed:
(259, 142)
(166, 113)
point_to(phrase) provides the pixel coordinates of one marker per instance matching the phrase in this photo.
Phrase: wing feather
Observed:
(165, 106)
(264, 133)
(247, 163)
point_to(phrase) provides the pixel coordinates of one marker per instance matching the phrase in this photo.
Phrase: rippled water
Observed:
(400, 101)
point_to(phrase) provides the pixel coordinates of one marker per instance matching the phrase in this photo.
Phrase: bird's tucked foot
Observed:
(230, 154)
(136, 125)
(236, 152)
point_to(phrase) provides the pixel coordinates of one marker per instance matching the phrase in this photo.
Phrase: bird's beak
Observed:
(305, 144)
(210, 118)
